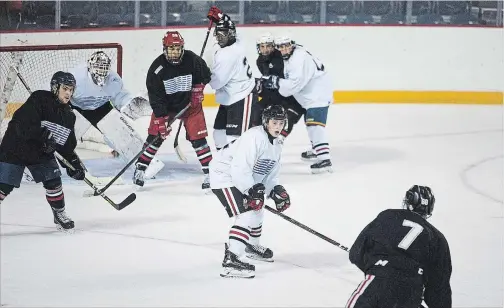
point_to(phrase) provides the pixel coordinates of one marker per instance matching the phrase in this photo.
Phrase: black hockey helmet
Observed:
(62, 78)
(419, 199)
(225, 31)
(273, 112)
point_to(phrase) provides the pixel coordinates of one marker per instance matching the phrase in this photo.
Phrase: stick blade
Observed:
(129, 199)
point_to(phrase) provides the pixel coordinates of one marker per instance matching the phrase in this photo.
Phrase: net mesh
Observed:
(37, 64)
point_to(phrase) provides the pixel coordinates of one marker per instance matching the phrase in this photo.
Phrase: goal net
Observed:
(37, 64)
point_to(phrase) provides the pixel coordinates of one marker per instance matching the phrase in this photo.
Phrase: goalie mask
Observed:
(99, 67)
(419, 199)
(279, 116)
(285, 45)
(173, 47)
(265, 45)
(225, 32)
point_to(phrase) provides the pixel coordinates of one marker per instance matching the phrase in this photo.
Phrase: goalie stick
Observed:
(181, 155)
(118, 206)
(98, 192)
(306, 228)
(28, 177)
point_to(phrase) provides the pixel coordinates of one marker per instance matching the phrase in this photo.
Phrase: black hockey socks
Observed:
(203, 152)
(54, 193)
(150, 151)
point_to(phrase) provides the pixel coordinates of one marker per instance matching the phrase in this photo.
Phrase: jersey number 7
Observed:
(410, 237)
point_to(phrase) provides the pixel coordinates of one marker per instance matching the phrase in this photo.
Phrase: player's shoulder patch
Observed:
(158, 69)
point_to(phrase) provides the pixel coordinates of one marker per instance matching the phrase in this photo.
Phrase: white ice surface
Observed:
(166, 248)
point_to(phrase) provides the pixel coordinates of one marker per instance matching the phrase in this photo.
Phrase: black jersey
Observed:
(169, 86)
(273, 64)
(401, 241)
(22, 142)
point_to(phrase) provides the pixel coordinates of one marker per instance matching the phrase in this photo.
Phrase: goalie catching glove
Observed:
(281, 198)
(255, 197)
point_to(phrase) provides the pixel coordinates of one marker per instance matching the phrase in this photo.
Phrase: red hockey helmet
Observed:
(173, 47)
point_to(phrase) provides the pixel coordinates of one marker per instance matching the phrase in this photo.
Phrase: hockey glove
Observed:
(255, 197)
(281, 198)
(270, 82)
(78, 173)
(160, 126)
(214, 14)
(258, 86)
(197, 95)
(48, 142)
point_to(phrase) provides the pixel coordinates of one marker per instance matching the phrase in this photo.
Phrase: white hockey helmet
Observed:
(264, 39)
(286, 45)
(99, 67)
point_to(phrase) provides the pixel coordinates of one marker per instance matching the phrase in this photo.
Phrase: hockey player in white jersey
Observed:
(306, 80)
(241, 174)
(233, 83)
(102, 101)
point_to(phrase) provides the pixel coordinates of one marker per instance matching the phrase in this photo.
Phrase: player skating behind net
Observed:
(305, 78)
(101, 100)
(42, 125)
(403, 257)
(175, 79)
(241, 175)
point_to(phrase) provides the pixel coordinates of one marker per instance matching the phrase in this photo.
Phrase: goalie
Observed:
(102, 101)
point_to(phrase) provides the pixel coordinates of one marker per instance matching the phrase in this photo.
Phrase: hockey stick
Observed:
(180, 155)
(102, 190)
(118, 206)
(306, 228)
(94, 179)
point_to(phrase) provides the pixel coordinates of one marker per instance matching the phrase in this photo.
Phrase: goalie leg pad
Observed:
(82, 125)
(124, 139)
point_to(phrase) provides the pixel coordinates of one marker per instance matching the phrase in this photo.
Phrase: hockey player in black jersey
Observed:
(42, 125)
(175, 79)
(402, 256)
(270, 62)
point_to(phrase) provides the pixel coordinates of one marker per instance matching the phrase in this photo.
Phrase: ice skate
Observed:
(322, 166)
(233, 267)
(308, 156)
(258, 252)
(62, 220)
(139, 175)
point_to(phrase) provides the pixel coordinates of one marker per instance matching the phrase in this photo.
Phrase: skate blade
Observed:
(258, 258)
(322, 170)
(233, 273)
(63, 230)
(207, 191)
(309, 159)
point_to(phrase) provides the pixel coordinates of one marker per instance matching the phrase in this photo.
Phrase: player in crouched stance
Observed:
(42, 125)
(241, 174)
(403, 256)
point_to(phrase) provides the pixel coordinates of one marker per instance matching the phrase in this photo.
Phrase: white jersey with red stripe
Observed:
(248, 160)
(232, 77)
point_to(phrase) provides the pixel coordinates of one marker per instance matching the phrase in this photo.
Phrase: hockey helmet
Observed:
(265, 39)
(286, 45)
(273, 112)
(419, 199)
(225, 31)
(99, 67)
(173, 47)
(62, 78)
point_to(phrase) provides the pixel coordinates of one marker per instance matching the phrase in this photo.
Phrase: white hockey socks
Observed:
(318, 138)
